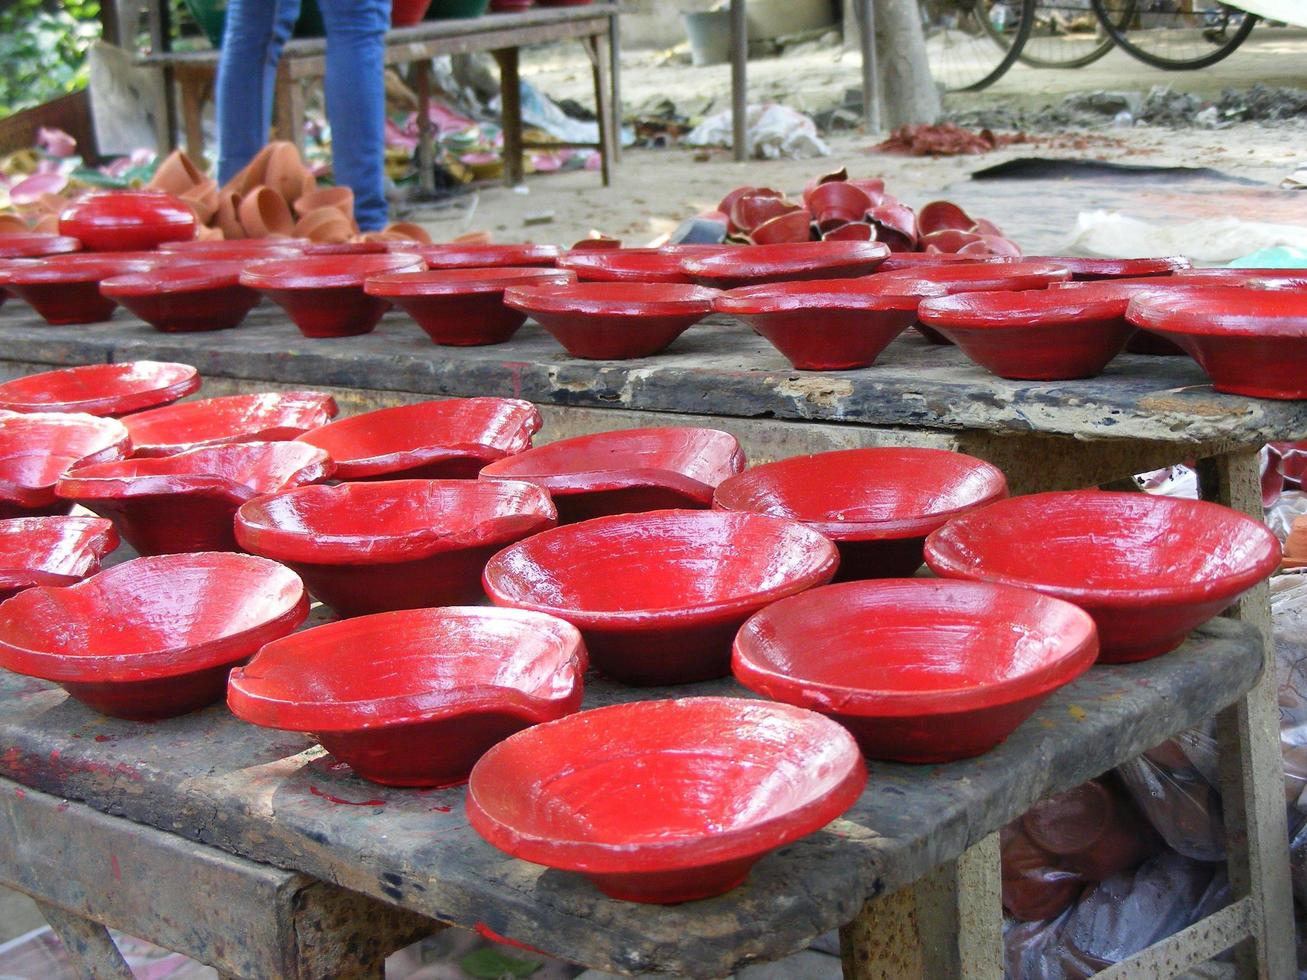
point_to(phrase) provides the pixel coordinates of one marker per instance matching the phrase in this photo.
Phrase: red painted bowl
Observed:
(1089, 270)
(755, 264)
(665, 801)
(271, 416)
(101, 389)
(633, 264)
(915, 260)
(876, 504)
(127, 221)
(415, 697)
(65, 289)
(455, 256)
(39, 447)
(1122, 291)
(238, 250)
(51, 551)
(626, 471)
(450, 439)
(659, 595)
(822, 325)
(33, 245)
(1148, 569)
(187, 502)
(919, 670)
(347, 248)
(323, 294)
(1281, 278)
(613, 320)
(398, 544)
(463, 307)
(186, 298)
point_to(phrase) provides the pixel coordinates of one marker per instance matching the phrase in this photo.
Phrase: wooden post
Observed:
(421, 77)
(615, 80)
(510, 95)
(88, 944)
(870, 69)
(740, 80)
(596, 46)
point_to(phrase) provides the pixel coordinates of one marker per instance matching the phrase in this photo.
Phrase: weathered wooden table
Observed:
(911, 873)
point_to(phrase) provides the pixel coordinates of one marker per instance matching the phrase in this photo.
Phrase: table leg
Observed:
(421, 76)
(88, 944)
(615, 82)
(739, 80)
(870, 80)
(510, 95)
(196, 90)
(596, 47)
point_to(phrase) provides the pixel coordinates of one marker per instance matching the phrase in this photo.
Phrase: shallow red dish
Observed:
(348, 248)
(33, 245)
(101, 389)
(665, 801)
(65, 289)
(323, 294)
(915, 260)
(187, 298)
(270, 416)
(187, 502)
(632, 264)
(752, 265)
(450, 439)
(126, 221)
(1281, 278)
(659, 595)
(396, 544)
(415, 697)
(51, 551)
(463, 307)
(918, 670)
(1122, 291)
(39, 447)
(238, 250)
(454, 256)
(626, 471)
(613, 320)
(1089, 270)
(1148, 569)
(877, 504)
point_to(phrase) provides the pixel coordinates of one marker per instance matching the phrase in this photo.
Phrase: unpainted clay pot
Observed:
(177, 174)
(285, 172)
(253, 173)
(12, 224)
(202, 199)
(210, 235)
(339, 198)
(1295, 548)
(47, 224)
(324, 225)
(228, 216)
(411, 231)
(264, 212)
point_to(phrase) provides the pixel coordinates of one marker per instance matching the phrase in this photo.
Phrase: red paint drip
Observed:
(20, 793)
(104, 738)
(488, 933)
(442, 809)
(336, 799)
(117, 871)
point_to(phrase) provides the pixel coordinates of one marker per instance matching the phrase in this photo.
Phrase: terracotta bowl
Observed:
(1122, 291)
(455, 256)
(238, 250)
(633, 264)
(918, 670)
(51, 551)
(626, 471)
(65, 289)
(126, 221)
(752, 265)
(665, 801)
(262, 417)
(822, 325)
(39, 447)
(659, 595)
(155, 637)
(415, 697)
(398, 544)
(187, 502)
(185, 298)
(876, 504)
(450, 439)
(1148, 569)
(613, 320)
(101, 389)
(323, 294)
(32, 245)
(463, 307)
(1089, 270)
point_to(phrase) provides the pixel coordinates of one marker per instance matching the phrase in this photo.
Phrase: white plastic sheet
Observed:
(774, 131)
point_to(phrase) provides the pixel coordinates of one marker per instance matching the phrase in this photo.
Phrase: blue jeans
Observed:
(255, 33)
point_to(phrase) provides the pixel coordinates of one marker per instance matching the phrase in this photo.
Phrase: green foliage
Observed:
(489, 963)
(43, 50)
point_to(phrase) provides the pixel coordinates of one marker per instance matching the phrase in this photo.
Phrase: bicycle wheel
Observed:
(971, 43)
(1067, 34)
(1177, 35)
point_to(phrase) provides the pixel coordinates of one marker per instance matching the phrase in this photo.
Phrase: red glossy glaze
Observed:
(788, 228)
(632, 264)
(347, 248)
(447, 439)
(942, 216)
(757, 206)
(1148, 569)
(626, 471)
(23, 245)
(261, 417)
(1124, 290)
(1281, 278)
(323, 294)
(659, 595)
(613, 320)
(65, 289)
(749, 266)
(854, 231)
(665, 801)
(398, 544)
(918, 670)
(187, 502)
(837, 202)
(239, 250)
(1089, 270)
(408, 13)
(51, 551)
(101, 389)
(822, 325)
(126, 221)
(896, 225)
(876, 504)
(463, 307)
(455, 256)
(39, 447)
(915, 260)
(415, 697)
(185, 298)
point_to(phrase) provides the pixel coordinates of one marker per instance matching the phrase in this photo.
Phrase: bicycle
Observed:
(971, 43)
(1176, 35)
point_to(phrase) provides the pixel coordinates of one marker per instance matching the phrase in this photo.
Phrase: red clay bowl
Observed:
(1148, 569)
(900, 261)
(463, 307)
(65, 289)
(822, 325)
(270, 416)
(415, 697)
(1089, 270)
(752, 265)
(450, 439)
(1281, 278)
(101, 389)
(187, 502)
(1122, 291)
(631, 264)
(613, 320)
(39, 447)
(51, 551)
(1249, 341)
(126, 221)
(33, 245)
(185, 298)
(876, 504)
(323, 294)
(665, 801)
(453, 256)
(626, 471)
(918, 670)
(238, 250)
(348, 248)
(398, 544)
(659, 595)
(155, 637)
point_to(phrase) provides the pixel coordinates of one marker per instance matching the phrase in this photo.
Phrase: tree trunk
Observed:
(908, 91)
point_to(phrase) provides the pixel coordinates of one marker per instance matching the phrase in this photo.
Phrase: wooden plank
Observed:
(510, 104)
(88, 944)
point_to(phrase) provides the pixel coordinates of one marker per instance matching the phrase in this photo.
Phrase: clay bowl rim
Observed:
(303, 400)
(632, 300)
(975, 277)
(628, 264)
(785, 258)
(30, 248)
(452, 256)
(91, 267)
(435, 283)
(854, 295)
(96, 538)
(1223, 311)
(176, 215)
(348, 271)
(1024, 309)
(189, 382)
(167, 280)
(201, 248)
(115, 443)
(1159, 266)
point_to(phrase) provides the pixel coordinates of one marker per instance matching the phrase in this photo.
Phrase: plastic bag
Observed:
(1174, 785)
(773, 131)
